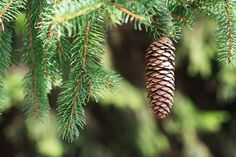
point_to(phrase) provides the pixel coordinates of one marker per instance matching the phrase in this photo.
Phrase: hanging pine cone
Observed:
(160, 79)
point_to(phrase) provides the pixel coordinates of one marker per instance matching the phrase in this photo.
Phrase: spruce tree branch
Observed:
(124, 10)
(6, 8)
(63, 18)
(74, 100)
(5, 53)
(204, 6)
(106, 82)
(50, 35)
(36, 102)
(32, 55)
(81, 74)
(49, 38)
(35, 85)
(230, 29)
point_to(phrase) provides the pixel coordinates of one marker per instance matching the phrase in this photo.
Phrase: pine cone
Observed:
(160, 79)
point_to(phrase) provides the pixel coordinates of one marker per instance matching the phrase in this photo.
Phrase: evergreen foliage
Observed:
(64, 41)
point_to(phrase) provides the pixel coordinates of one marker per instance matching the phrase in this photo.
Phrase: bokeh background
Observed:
(202, 122)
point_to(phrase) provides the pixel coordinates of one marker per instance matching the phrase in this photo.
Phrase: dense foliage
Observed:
(64, 44)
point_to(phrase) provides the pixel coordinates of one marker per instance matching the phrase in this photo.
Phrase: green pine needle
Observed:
(5, 50)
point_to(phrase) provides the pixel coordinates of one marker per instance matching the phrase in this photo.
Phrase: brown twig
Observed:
(2, 13)
(181, 19)
(86, 43)
(6, 8)
(124, 10)
(61, 19)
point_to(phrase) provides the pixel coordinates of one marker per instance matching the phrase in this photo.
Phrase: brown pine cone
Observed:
(160, 81)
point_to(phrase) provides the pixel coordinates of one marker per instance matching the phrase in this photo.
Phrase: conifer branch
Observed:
(48, 34)
(59, 35)
(226, 31)
(5, 51)
(9, 9)
(80, 76)
(46, 56)
(182, 16)
(73, 113)
(63, 18)
(230, 30)
(104, 81)
(131, 14)
(34, 82)
(74, 101)
(35, 100)
(6, 8)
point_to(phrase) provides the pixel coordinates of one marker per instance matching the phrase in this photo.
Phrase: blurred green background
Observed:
(202, 122)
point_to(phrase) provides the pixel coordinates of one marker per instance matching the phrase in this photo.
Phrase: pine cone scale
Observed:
(164, 53)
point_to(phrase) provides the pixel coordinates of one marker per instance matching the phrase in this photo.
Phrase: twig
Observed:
(63, 18)
(5, 9)
(119, 7)
(181, 19)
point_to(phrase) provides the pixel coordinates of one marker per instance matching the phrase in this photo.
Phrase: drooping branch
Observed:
(81, 76)
(34, 82)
